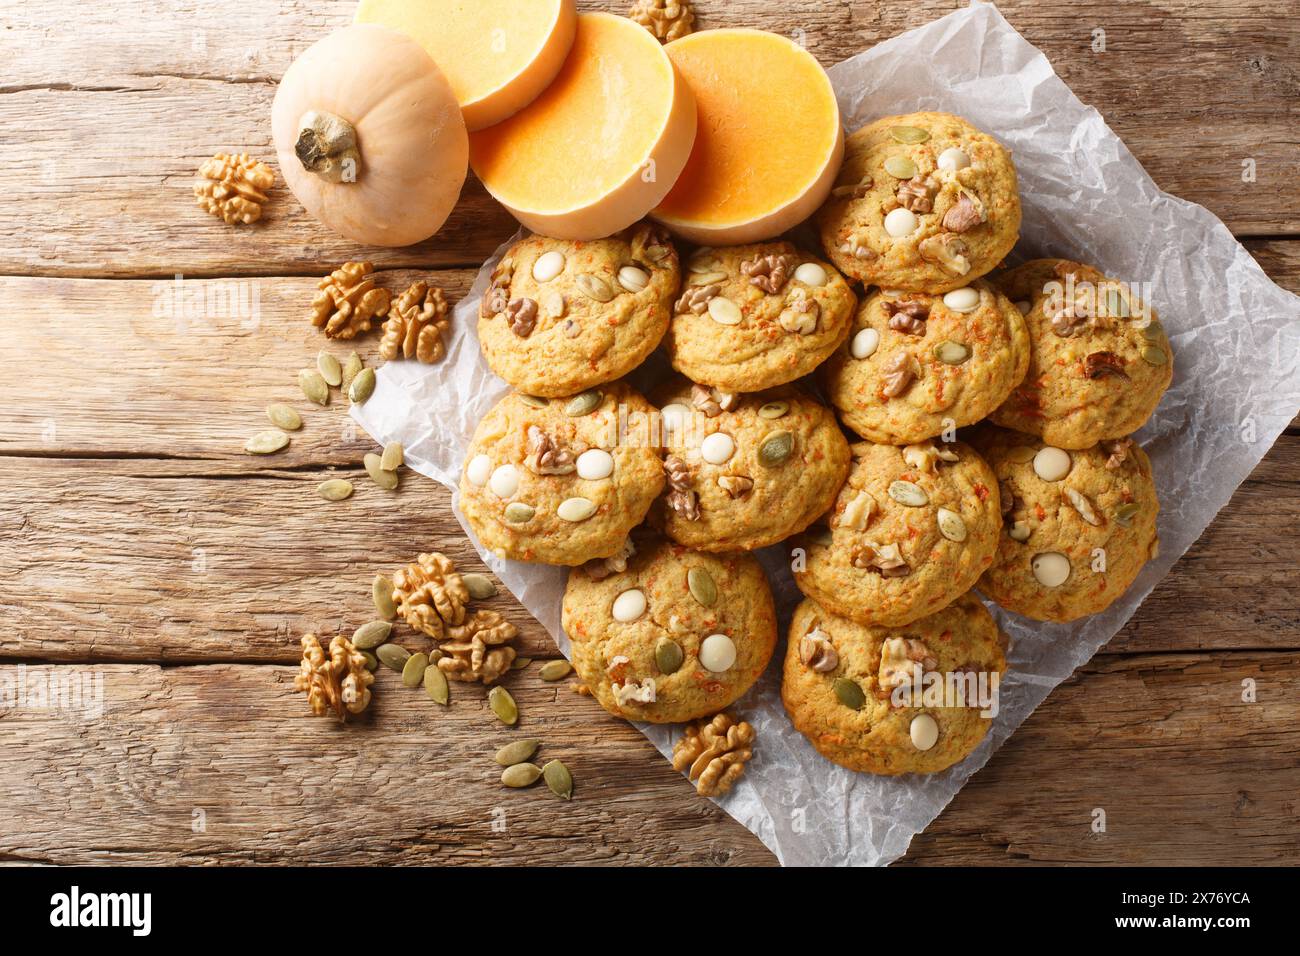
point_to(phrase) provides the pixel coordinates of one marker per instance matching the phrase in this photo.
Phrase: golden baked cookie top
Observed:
(746, 471)
(1078, 526)
(859, 692)
(913, 528)
(563, 316)
(561, 481)
(1099, 359)
(675, 635)
(753, 317)
(916, 364)
(924, 202)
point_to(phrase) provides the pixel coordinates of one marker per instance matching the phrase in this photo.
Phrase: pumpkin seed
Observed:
(668, 655)
(375, 469)
(314, 387)
(558, 779)
(583, 404)
(909, 134)
(1125, 514)
(519, 663)
(521, 775)
(900, 167)
(951, 525)
(266, 443)
(393, 457)
(555, 670)
(532, 401)
(951, 353)
(362, 387)
(371, 660)
(329, 368)
(520, 751)
(850, 693)
(435, 685)
(336, 489)
(393, 656)
(480, 586)
(776, 448)
(595, 287)
(909, 494)
(519, 513)
(371, 635)
(502, 704)
(351, 369)
(413, 670)
(702, 587)
(381, 592)
(1152, 331)
(1021, 454)
(284, 416)
(1153, 355)
(773, 410)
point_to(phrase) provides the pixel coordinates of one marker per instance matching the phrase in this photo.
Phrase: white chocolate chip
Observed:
(548, 266)
(479, 470)
(576, 509)
(504, 481)
(1052, 464)
(865, 344)
(595, 464)
(723, 311)
(1051, 568)
(953, 159)
(924, 731)
(717, 653)
(717, 448)
(629, 605)
(962, 300)
(633, 279)
(1019, 531)
(810, 273)
(901, 223)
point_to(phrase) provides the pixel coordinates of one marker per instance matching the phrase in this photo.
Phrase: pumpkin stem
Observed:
(327, 146)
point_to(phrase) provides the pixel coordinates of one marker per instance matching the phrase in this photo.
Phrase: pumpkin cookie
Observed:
(753, 317)
(916, 364)
(912, 529)
(1078, 525)
(924, 202)
(561, 481)
(846, 687)
(746, 471)
(564, 316)
(675, 636)
(1098, 362)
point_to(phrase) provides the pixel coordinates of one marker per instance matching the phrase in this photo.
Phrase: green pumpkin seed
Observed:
(1152, 331)
(371, 660)
(480, 586)
(951, 525)
(314, 387)
(503, 705)
(393, 457)
(521, 775)
(668, 655)
(413, 670)
(909, 134)
(520, 751)
(351, 369)
(435, 685)
(900, 167)
(773, 410)
(284, 416)
(336, 489)
(362, 387)
(519, 513)
(1125, 514)
(393, 656)
(1154, 356)
(371, 635)
(909, 494)
(583, 404)
(533, 401)
(558, 779)
(595, 287)
(519, 663)
(329, 368)
(267, 442)
(849, 692)
(776, 448)
(375, 469)
(702, 587)
(381, 592)
(951, 353)
(555, 670)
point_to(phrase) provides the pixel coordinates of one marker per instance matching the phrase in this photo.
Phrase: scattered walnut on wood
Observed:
(667, 20)
(917, 194)
(769, 273)
(522, 316)
(430, 595)
(713, 753)
(348, 301)
(966, 213)
(947, 251)
(900, 372)
(416, 324)
(1100, 364)
(907, 315)
(233, 188)
(338, 683)
(476, 651)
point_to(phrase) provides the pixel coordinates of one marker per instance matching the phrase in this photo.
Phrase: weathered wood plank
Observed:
(115, 129)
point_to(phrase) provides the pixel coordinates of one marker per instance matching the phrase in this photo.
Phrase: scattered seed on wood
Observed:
(336, 489)
(503, 705)
(284, 416)
(329, 369)
(519, 751)
(555, 670)
(381, 592)
(371, 635)
(375, 469)
(267, 442)
(393, 457)
(435, 685)
(558, 779)
(480, 586)
(413, 670)
(521, 775)
(393, 656)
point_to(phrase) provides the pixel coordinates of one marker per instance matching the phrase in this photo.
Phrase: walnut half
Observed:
(339, 683)
(233, 188)
(430, 595)
(348, 301)
(713, 753)
(667, 20)
(416, 324)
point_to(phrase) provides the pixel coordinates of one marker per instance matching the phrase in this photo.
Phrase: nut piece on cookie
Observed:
(1099, 360)
(924, 203)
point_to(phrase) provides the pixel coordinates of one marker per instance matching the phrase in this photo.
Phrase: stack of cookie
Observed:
(1051, 515)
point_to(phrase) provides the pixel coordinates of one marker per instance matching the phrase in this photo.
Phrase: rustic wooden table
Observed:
(138, 544)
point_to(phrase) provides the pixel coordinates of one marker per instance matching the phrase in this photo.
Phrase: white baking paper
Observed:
(1236, 337)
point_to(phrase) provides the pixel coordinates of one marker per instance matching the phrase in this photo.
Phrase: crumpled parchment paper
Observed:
(1236, 339)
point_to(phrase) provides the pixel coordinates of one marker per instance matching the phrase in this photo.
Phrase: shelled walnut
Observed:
(430, 595)
(233, 188)
(667, 20)
(417, 321)
(477, 649)
(339, 683)
(348, 301)
(713, 753)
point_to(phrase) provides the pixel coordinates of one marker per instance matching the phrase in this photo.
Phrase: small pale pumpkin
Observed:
(370, 137)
